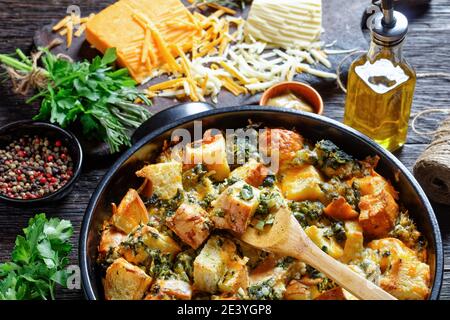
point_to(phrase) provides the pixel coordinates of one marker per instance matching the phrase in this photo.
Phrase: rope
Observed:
(432, 168)
(420, 114)
(37, 78)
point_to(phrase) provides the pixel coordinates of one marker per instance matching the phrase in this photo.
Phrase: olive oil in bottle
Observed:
(381, 83)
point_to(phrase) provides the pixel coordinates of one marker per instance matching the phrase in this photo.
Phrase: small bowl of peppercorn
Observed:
(39, 162)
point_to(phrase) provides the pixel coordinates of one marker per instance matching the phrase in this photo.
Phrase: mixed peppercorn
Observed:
(32, 167)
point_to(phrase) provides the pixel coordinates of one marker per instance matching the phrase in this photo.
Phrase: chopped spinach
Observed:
(307, 212)
(339, 231)
(264, 291)
(246, 193)
(269, 181)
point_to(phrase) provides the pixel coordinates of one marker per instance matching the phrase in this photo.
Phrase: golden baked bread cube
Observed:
(236, 276)
(374, 184)
(145, 238)
(165, 178)
(210, 151)
(153, 239)
(190, 223)
(297, 291)
(402, 274)
(378, 214)
(268, 272)
(212, 263)
(329, 245)
(280, 144)
(302, 183)
(354, 243)
(340, 209)
(110, 240)
(125, 281)
(235, 206)
(170, 289)
(130, 213)
(252, 172)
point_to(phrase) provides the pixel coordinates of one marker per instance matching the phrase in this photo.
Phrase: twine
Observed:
(432, 168)
(23, 82)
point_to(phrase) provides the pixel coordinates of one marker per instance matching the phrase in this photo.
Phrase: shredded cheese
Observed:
(70, 26)
(221, 57)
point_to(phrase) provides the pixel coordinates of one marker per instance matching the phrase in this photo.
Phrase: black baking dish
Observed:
(314, 127)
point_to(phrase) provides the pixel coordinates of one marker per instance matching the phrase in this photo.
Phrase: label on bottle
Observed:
(381, 76)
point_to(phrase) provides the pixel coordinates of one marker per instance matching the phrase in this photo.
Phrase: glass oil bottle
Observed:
(381, 83)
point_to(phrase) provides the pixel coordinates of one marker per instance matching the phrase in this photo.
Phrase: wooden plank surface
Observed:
(427, 49)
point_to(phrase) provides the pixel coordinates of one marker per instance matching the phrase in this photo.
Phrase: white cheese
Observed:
(285, 23)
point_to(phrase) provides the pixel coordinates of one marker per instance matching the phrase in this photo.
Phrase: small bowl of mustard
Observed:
(294, 95)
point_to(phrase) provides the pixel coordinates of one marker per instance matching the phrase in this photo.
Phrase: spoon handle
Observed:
(305, 250)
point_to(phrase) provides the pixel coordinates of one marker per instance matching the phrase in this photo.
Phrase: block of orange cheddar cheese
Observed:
(138, 29)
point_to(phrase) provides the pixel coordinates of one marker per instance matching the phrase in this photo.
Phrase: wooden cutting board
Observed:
(342, 24)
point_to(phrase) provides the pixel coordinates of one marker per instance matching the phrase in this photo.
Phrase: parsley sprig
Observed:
(101, 98)
(38, 260)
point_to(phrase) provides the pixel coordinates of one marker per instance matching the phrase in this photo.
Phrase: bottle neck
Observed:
(392, 53)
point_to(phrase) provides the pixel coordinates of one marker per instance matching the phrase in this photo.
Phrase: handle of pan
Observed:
(169, 115)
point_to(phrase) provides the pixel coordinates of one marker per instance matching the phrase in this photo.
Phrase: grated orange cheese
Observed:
(70, 26)
(173, 83)
(224, 9)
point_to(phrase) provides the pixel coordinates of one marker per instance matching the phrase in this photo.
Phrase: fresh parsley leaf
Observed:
(109, 56)
(38, 260)
(101, 98)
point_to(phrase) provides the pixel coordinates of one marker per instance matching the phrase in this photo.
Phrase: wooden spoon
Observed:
(286, 237)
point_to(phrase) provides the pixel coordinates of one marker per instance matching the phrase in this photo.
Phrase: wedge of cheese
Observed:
(143, 32)
(286, 23)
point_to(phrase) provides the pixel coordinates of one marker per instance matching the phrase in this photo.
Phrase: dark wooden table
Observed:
(427, 49)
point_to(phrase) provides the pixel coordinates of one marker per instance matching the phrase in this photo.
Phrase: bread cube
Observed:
(212, 152)
(110, 240)
(374, 184)
(165, 178)
(211, 264)
(236, 276)
(190, 223)
(136, 247)
(297, 291)
(235, 206)
(378, 214)
(302, 183)
(354, 244)
(130, 213)
(340, 209)
(329, 245)
(402, 274)
(280, 144)
(170, 289)
(153, 239)
(252, 172)
(125, 281)
(265, 273)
